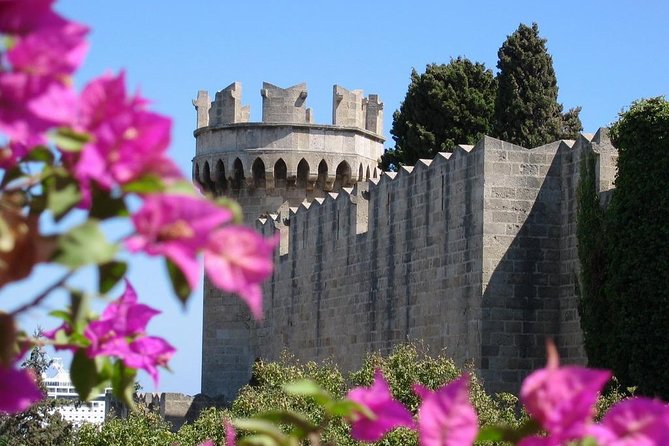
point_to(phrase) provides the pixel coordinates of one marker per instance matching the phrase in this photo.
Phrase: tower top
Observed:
(350, 108)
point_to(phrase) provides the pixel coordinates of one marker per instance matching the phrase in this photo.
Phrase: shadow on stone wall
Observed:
(520, 304)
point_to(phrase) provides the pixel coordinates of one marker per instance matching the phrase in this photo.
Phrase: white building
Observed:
(59, 386)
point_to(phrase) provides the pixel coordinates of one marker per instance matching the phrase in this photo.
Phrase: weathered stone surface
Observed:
(473, 252)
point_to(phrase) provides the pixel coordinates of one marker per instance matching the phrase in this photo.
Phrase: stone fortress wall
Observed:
(473, 252)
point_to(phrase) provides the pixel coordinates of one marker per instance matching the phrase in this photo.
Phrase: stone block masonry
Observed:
(473, 252)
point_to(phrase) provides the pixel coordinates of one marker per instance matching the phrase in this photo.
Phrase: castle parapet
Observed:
(350, 108)
(286, 151)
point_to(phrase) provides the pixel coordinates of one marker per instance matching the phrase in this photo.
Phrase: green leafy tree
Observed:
(637, 280)
(41, 424)
(445, 106)
(594, 308)
(526, 109)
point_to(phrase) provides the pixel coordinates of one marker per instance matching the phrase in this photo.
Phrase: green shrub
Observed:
(139, 429)
(209, 426)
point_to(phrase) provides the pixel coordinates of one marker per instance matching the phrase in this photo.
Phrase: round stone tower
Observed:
(283, 159)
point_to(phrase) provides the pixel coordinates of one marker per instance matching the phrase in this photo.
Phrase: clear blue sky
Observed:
(605, 54)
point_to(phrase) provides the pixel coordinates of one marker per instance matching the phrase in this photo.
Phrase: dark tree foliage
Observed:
(40, 424)
(637, 284)
(526, 109)
(445, 106)
(594, 310)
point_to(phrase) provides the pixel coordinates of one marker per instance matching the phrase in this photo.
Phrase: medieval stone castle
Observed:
(473, 252)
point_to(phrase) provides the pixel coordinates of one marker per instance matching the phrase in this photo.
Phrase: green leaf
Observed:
(63, 194)
(307, 387)
(257, 440)
(84, 374)
(506, 433)
(60, 314)
(303, 426)
(181, 187)
(491, 433)
(40, 154)
(123, 383)
(262, 427)
(109, 275)
(178, 280)
(79, 309)
(68, 140)
(105, 205)
(145, 185)
(345, 408)
(83, 245)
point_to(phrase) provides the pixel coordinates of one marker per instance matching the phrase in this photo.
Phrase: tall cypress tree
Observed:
(526, 109)
(445, 106)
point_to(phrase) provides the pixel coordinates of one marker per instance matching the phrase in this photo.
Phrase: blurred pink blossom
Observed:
(237, 260)
(230, 434)
(389, 413)
(634, 422)
(562, 399)
(446, 417)
(127, 141)
(18, 390)
(178, 227)
(31, 105)
(55, 51)
(23, 16)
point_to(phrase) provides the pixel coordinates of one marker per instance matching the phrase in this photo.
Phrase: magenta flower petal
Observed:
(178, 227)
(230, 434)
(562, 399)
(55, 51)
(121, 333)
(127, 141)
(23, 16)
(446, 417)
(389, 413)
(634, 422)
(18, 390)
(148, 353)
(237, 260)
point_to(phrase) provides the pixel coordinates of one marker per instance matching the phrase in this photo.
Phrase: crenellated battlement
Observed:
(288, 106)
(286, 156)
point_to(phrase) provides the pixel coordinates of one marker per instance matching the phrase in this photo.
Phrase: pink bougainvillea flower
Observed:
(562, 399)
(23, 16)
(237, 259)
(121, 332)
(55, 51)
(446, 417)
(230, 434)
(31, 105)
(389, 413)
(18, 390)
(178, 227)
(634, 422)
(147, 353)
(121, 319)
(127, 141)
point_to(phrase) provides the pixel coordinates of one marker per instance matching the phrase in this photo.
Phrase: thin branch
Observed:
(40, 297)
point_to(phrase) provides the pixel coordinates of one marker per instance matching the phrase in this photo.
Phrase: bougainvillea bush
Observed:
(72, 160)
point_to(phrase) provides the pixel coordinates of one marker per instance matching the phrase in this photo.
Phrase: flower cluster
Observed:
(91, 152)
(121, 332)
(561, 400)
